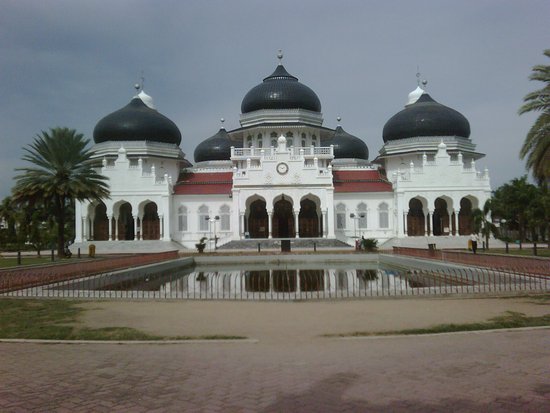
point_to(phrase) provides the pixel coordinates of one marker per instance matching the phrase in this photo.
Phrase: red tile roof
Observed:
(207, 183)
(212, 183)
(360, 181)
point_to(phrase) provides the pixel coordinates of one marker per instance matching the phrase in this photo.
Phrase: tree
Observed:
(482, 221)
(536, 147)
(61, 171)
(8, 217)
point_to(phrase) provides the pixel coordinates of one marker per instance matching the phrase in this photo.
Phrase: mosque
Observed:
(283, 175)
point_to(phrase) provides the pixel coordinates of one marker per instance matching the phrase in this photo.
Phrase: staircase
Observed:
(275, 244)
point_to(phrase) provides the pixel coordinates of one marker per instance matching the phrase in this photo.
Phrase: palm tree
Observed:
(61, 171)
(536, 147)
(482, 221)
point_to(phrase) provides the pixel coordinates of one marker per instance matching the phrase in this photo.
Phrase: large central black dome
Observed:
(426, 117)
(137, 122)
(280, 90)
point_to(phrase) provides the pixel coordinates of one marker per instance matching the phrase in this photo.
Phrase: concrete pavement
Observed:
(290, 368)
(503, 371)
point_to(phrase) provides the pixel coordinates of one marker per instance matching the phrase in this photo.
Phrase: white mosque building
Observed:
(283, 175)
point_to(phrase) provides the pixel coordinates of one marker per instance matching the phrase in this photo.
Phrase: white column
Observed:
(110, 219)
(270, 223)
(135, 226)
(457, 233)
(431, 217)
(140, 217)
(84, 228)
(162, 229)
(324, 219)
(116, 228)
(426, 218)
(241, 224)
(92, 219)
(450, 223)
(405, 213)
(296, 222)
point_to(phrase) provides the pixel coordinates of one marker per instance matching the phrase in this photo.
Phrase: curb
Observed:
(190, 341)
(495, 330)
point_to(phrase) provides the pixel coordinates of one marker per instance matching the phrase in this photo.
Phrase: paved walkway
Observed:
(292, 371)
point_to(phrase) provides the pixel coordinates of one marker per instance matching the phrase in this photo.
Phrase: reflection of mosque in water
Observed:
(285, 283)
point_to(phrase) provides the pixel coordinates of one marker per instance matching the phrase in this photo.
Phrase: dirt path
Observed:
(275, 321)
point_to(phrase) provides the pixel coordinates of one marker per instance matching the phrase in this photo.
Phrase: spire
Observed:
(280, 57)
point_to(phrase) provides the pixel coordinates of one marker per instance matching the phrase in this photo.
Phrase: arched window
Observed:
(313, 140)
(203, 219)
(289, 142)
(260, 144)
(383, 216)
(274, 142)
(303, 143)
(274, 135)
(225, 221)
(260, 136)
(340, 216)
(362, 216)
(182, 218)
(289, 135)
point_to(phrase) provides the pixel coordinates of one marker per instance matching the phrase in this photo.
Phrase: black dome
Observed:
(281, 90)
(426, 117)
(347, 146)
(137, 122)
(215, 148)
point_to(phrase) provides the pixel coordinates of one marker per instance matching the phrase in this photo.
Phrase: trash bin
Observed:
(91, 251)
(285, 245)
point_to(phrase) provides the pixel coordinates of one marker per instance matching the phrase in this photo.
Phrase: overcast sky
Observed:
(69, 63)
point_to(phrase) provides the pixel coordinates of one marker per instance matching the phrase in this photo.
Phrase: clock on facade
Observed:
(282, 168)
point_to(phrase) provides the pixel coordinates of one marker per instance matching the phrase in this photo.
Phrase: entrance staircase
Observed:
(275, 244)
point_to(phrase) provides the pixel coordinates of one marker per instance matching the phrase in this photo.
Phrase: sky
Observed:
(70, 63)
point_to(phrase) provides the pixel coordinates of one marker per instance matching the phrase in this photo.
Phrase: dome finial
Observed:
(338, 119)
(280, 57)
(421, 83)
(139, 86)
(222, 120)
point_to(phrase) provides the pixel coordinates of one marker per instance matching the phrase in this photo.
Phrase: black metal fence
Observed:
(280, 284)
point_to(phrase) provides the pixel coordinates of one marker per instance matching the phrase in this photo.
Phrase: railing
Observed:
(281, 284)
(524, 265)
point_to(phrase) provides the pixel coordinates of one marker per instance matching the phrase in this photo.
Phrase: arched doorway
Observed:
(283, 219)
(465, 218)
(440, 217)
(150, 225)
(415, 218)
(125, 222)
(101, 223)
(257, 220)
(308, 219)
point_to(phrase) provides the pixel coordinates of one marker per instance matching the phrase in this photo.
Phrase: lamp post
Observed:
(212, 222)
(355, 218)
(503, 223)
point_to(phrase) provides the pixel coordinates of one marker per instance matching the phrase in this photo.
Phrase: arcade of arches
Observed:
(284, 221)
(124, 225)
(442, 220)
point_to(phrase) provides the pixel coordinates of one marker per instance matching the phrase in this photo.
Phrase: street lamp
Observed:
(503, 223)
(212, 221)
(355, 218)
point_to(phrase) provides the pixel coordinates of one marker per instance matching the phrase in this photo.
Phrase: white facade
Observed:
(281, 182)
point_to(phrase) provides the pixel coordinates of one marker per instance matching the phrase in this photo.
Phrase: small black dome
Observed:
(426, 117)
(280, 90)
(215, 148)
(137, 122)
(347, 146)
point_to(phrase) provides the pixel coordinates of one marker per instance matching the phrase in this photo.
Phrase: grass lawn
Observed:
(58, 320)
(12, 261)
(542, 251)
(510, 319)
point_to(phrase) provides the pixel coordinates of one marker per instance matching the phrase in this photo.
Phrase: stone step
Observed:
(295, 243)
